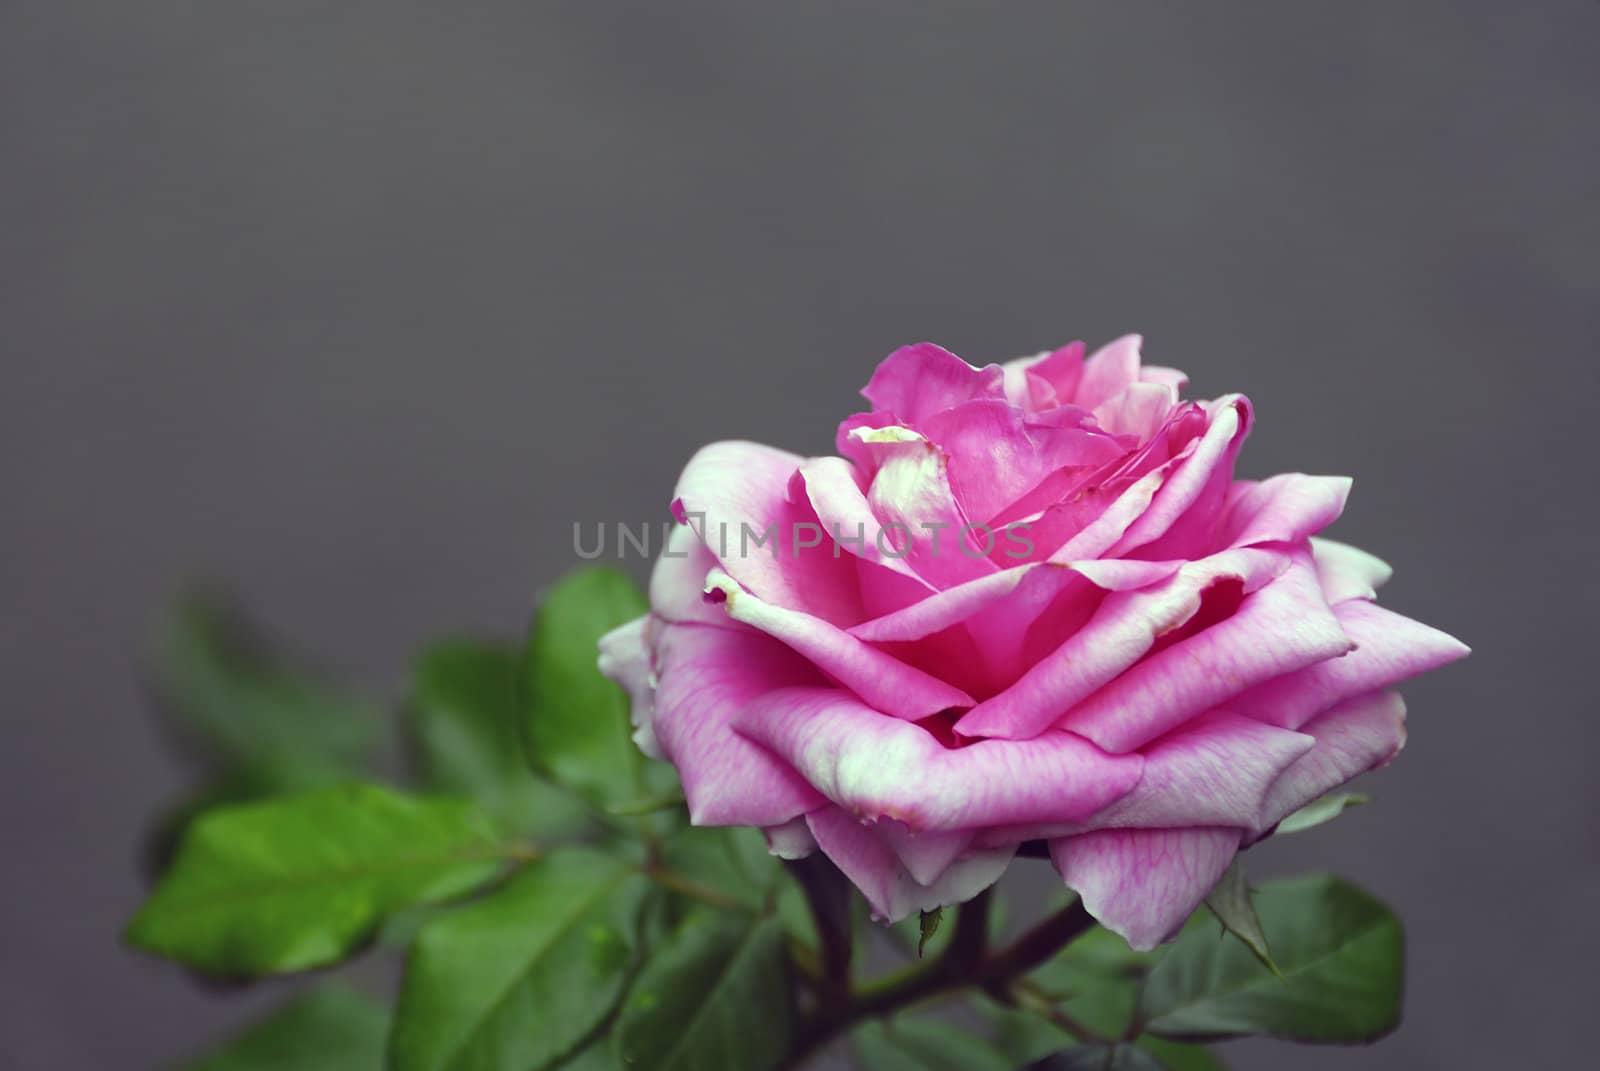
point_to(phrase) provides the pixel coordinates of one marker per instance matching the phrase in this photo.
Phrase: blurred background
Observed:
(358, 307)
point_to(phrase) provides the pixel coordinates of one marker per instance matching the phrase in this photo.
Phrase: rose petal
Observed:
(1358, 735)
(914, 382)
(878, 766)
(1144, 883)
(925, 855)
(791, 840)
(1288, 508)
(1282, 627)
(882, 681)
(860, 852)
(708, 678)
(1184, 514)
(1215, 771)
(734, 494)
(1389, 648)
(1348, 572)
(1109, 372)
(625, 658)
(1121, 632)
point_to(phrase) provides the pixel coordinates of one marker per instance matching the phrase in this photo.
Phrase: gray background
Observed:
(360, 306)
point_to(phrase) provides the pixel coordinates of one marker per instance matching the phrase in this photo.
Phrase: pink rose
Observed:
(1029, 601)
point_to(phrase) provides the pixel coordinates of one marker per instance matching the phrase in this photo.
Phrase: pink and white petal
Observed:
(881, 680)
(1348, 572)
(1184, 514)
(734, 494)
(942, 609)
(1169, 377)
(1287, 508)
(1144, 883)
(1108, 372)
(911, 494)
(877, 766)
(707, 678)
(860, 852)
(1215, 771)
(926, 855)
(1282, 627)
(1358, 735)
(1052, 377)
(1122, 631)
(831, 485)
(914, 382)
(791, 840)
(625, 657)
(678, 581)
(1141, 410)
(1389, 648)
(1089, 526)
(1052, 603)
(996, 455)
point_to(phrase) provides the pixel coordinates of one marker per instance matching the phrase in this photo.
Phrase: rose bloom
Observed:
(1027, 602)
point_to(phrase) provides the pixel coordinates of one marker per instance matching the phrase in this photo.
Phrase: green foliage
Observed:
(1120, 1057)
(1341, 954)
(464, 713)
(1230, 903)
(714, 996)
(328, 1028)
(558, 914)
(515, 981)
(1318, 811)
(297, 882)
(575, 722)
(923, 1044)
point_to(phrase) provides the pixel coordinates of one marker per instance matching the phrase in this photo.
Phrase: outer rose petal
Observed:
(1389, 648)
(625, 658)
(860, 852)
(708, 677)
(914, 382)
(830, 485)
(1352, 738)
(1143, 883)
(1288, 508)
(1109, 372)
(1182, 517)
(791, 840)
(1283, 627)
(1217, 771)
(881, 680)
(678, 582)
(1122, 631)
(1347, 572)
(729, 485)
(877, 766)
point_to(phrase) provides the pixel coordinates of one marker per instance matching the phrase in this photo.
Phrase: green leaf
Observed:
(1176, 1056)
(1321, 810)
(927, 926)
(1120, 1057)
(247, 708)
(329, 1028)
(1341, 953)
(514, 982)
(733, 861)
(1230, 903)
(463, 714)
(1096, 980)
(920, 1044)
(576, 723)
(297, 882)
(714, 998)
